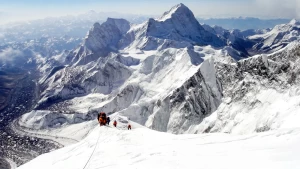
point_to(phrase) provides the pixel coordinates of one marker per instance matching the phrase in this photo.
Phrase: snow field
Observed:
(144, 148)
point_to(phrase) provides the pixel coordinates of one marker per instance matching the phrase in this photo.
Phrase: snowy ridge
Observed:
(140, 148)
(197, 97)
(176, 10)
(260, 94)
(278, 37)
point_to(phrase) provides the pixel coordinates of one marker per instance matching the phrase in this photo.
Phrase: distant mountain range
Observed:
(78, 26)
(243, 23)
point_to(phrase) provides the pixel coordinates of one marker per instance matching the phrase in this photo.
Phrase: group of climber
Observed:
(103, 120)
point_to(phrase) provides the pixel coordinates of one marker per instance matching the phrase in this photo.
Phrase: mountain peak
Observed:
(180, 5)
(180, 24)
(122, 24)
(96, 25)
(294, 22)
(91, 12)
(179, 9)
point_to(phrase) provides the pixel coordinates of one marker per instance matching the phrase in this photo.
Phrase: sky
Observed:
(15, 10)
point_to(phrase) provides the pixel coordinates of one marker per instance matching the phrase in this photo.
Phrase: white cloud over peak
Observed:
(9, 54)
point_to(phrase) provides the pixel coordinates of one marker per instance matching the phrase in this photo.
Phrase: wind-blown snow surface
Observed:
(109, 147)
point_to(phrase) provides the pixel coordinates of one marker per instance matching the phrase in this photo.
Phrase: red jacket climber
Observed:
(115, 123)
(129, 127)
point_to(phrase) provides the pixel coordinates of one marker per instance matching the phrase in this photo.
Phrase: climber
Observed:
(115, 123)
(129, 127)
(107, 120)
(102, 118)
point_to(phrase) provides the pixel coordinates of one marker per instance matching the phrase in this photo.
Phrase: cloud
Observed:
(279, 8)
(247, 8)
(10, 12)
(9, 54)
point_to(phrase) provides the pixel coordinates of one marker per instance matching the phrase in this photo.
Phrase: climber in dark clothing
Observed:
(102, 118)
(129, 127)
(107, 120)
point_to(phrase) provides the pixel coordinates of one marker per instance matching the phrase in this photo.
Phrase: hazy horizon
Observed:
(16, 10)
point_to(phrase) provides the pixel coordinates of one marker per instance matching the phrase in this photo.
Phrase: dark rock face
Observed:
(4, 164)
(277, 71)
(199, 96)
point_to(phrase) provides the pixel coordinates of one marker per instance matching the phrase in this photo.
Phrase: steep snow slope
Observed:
(108, 147)
(278, 37)
(261, 93)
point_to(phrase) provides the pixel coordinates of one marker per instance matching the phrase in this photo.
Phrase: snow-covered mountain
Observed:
(278, 37)
(242, 23)
(178, 26)
(74, 26)
(171, 30)
(157, 76)
(169, 74)
(259, 94)
(236, 39)
(116, 34)
(100, 41)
